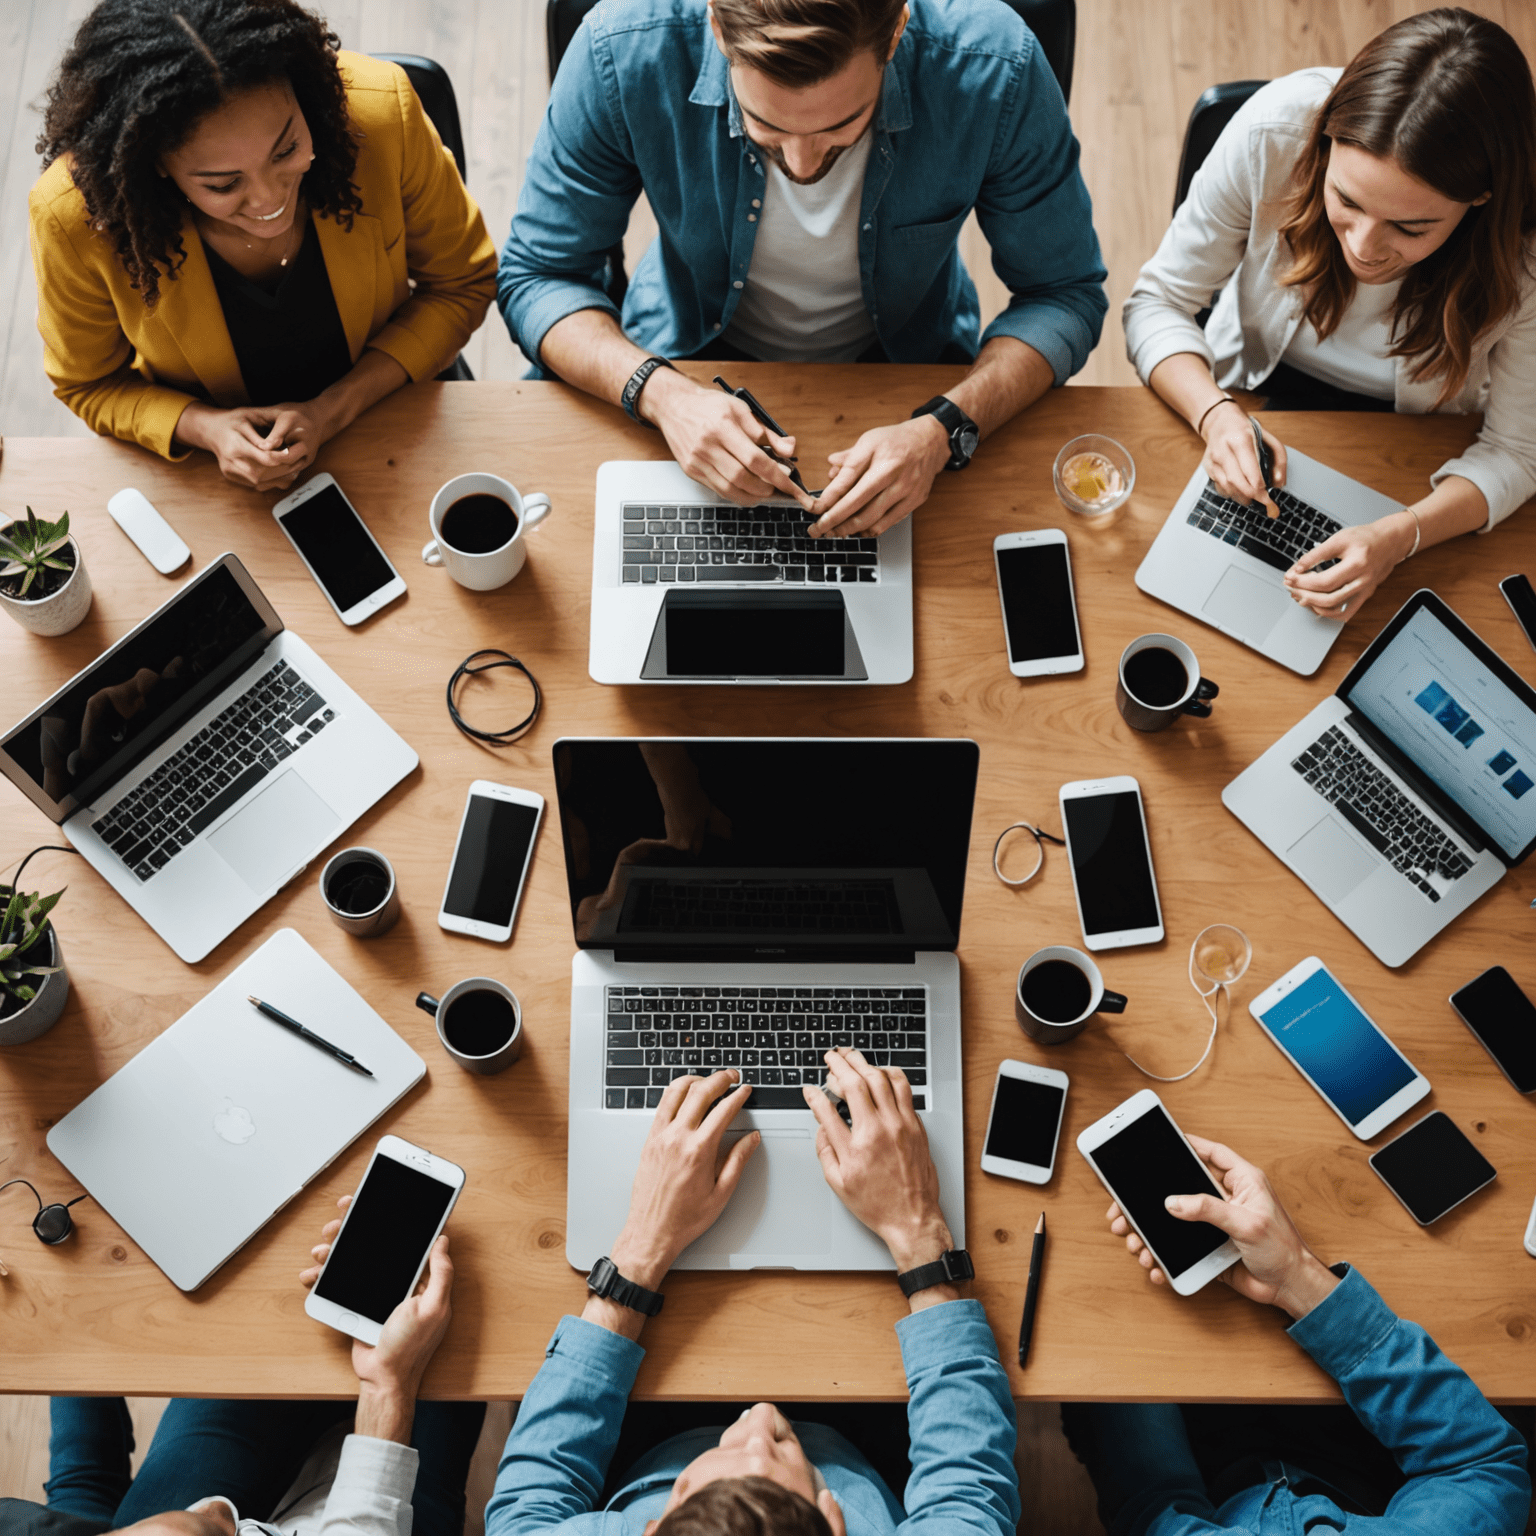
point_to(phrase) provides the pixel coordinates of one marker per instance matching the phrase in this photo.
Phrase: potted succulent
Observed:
(43, 580)
(34, 986)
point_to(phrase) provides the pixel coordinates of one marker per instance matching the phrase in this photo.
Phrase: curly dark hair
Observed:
(138, 78)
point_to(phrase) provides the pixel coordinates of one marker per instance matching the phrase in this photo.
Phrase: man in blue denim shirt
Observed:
(746, 123)
(760, 1474)
(1443, 1462)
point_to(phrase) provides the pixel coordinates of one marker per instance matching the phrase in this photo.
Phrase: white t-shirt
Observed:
(803, 301)
(1355, 356)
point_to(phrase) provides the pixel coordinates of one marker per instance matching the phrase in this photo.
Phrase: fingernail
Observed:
(1174, 1203)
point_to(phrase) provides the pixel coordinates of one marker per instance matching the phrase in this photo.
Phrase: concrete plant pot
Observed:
(60, 611)
(43, 1012)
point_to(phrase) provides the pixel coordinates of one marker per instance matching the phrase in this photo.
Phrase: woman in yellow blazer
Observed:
(244, 237)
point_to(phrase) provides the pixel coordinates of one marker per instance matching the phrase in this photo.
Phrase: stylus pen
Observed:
(750, 401)
(1032, 1291)
(279, 1017)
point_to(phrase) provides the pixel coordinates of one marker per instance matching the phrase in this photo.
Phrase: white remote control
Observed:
(158, 542)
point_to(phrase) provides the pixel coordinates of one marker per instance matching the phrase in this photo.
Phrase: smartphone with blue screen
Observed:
(1330, 1039)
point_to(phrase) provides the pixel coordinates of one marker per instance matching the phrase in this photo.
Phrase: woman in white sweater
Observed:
(1372, 233)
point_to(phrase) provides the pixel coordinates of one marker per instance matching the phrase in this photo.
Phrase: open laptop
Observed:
(689, 589)
(204, 760)
(754, 903)
(1221, 561)
(197, 1142)
(1402, 797)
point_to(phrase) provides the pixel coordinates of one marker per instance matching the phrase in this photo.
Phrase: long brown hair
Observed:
(1448, 96)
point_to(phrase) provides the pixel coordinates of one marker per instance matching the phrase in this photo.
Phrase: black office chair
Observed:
(435, 91)
(1054, 22)
(1216, 108)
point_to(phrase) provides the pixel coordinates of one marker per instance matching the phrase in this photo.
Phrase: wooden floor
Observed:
(1140, 66)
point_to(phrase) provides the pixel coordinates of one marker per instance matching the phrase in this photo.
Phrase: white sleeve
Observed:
(371, 1495)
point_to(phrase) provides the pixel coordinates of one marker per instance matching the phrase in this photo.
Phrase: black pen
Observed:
(279, 1017)
(1032, 1291)
(749, 400)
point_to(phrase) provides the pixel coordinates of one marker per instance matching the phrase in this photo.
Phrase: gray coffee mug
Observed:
(359, 890)
(482, 1063)
(1099, 998)
(1194, 696)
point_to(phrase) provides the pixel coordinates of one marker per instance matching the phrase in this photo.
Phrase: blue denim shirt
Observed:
(1465, 1464)
(969, 116)
(961, 1420)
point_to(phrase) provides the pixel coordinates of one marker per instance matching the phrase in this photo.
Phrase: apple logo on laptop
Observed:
(234, 1124)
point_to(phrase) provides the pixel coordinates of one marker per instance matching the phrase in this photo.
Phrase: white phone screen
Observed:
(1025, 1115)
(331, 536)
(1111, 862)
(1037, 602)
(493, 851)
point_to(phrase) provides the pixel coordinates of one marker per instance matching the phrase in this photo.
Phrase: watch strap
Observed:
(631, 397)
(605, 1280)
(955, 423)
(954, 1264)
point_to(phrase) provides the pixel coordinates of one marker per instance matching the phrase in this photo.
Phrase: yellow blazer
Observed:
(129, 371)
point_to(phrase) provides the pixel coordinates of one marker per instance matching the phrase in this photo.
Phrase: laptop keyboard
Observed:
(1379, 811)
(1277, 541)
(221, 764)
(777, 1036)
(729, 543)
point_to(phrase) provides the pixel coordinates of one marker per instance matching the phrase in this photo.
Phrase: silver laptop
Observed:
(197, 1142)
(731, 911)
(1221, 561)
(1402, 797)
(689, 589)
(204, 760)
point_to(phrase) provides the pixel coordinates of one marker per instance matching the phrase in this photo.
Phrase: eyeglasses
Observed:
(1040, 838)
(1220, 955)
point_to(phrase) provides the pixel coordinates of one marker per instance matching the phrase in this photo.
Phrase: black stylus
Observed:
(279, 1017)
(750, 401)
(1032, 1291)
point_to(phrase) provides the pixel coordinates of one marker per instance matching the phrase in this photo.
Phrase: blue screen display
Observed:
(1337, 1047)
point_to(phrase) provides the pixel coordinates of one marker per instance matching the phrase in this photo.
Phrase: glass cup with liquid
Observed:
(1093, 475)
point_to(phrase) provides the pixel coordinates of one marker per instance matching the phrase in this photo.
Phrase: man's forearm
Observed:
(591, 351)
(1007, 376)
(385, 1413)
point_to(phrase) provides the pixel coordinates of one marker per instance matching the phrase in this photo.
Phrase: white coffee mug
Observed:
(496, 567)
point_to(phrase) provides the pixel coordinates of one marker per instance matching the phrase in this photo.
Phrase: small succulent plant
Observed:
(23, 922)
(36, 555)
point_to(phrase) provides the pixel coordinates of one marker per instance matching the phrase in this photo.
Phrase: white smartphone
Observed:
(1034, 584)
(1111, 859)
(1328, 1037)
(387, 1233)
(1142, 1157)
(1530, 1234)
(1025, 1122)
(337, 549)
(490, 860)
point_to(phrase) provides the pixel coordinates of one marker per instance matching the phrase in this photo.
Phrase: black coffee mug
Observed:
(480, 1023)
(1060, 1005)
(1159, 680)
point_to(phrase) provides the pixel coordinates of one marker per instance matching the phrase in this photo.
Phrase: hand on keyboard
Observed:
(1366, 555)
(1232, 461)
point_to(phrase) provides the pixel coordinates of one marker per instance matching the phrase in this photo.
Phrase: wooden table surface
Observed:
(95, 1315)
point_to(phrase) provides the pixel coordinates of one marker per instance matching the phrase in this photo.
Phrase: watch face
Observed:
(966, 439)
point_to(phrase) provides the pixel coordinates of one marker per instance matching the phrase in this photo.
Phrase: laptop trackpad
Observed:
(280, 828)
(781, 1209)
(1246, 605)
(1331, 861)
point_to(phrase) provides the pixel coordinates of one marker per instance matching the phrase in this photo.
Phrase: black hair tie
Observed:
(473, 666)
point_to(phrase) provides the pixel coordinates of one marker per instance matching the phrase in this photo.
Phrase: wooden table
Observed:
(96, 1315)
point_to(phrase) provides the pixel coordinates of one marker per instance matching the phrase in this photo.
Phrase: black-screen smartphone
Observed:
(1034, 585)
(490, 860)
(1502, 1017)
(1521, 597)
(1111, 862)
(337, 549)
(1432, 1167)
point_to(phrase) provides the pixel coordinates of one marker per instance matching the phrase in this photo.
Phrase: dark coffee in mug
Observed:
(1057, 992)
(479, 1023)
(478, 523)
(1156, 676)
(357, 886)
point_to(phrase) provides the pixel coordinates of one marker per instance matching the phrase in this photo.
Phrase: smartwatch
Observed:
(631, 396)
(963, 432)
(954, 1264)
(606, 1281)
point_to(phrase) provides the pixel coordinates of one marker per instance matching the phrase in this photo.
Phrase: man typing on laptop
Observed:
(810, 165)
(762, 1473)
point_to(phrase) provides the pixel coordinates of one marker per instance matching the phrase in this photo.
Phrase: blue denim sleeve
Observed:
(578, 190)
(557, 1455)
(1038, 219)
(962, 1425)
(1466, 1466)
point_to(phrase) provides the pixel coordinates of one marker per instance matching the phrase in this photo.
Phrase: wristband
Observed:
(955, 1264)
(630, 399)
(1225, 400)
(606, 1281)
(1418, 533)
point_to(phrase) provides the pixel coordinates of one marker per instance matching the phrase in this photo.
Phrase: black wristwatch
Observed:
(631, 396)
(963, 432)
(605, 1280)
(954, 1264)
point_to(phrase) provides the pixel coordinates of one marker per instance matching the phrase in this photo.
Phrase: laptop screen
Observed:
(767, 848)
(127, 701)
(1459, 713)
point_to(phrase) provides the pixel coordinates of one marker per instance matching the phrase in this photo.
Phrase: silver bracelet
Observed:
(1418, 533)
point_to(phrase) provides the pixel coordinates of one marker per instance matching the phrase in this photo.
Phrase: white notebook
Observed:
(216, 1125)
